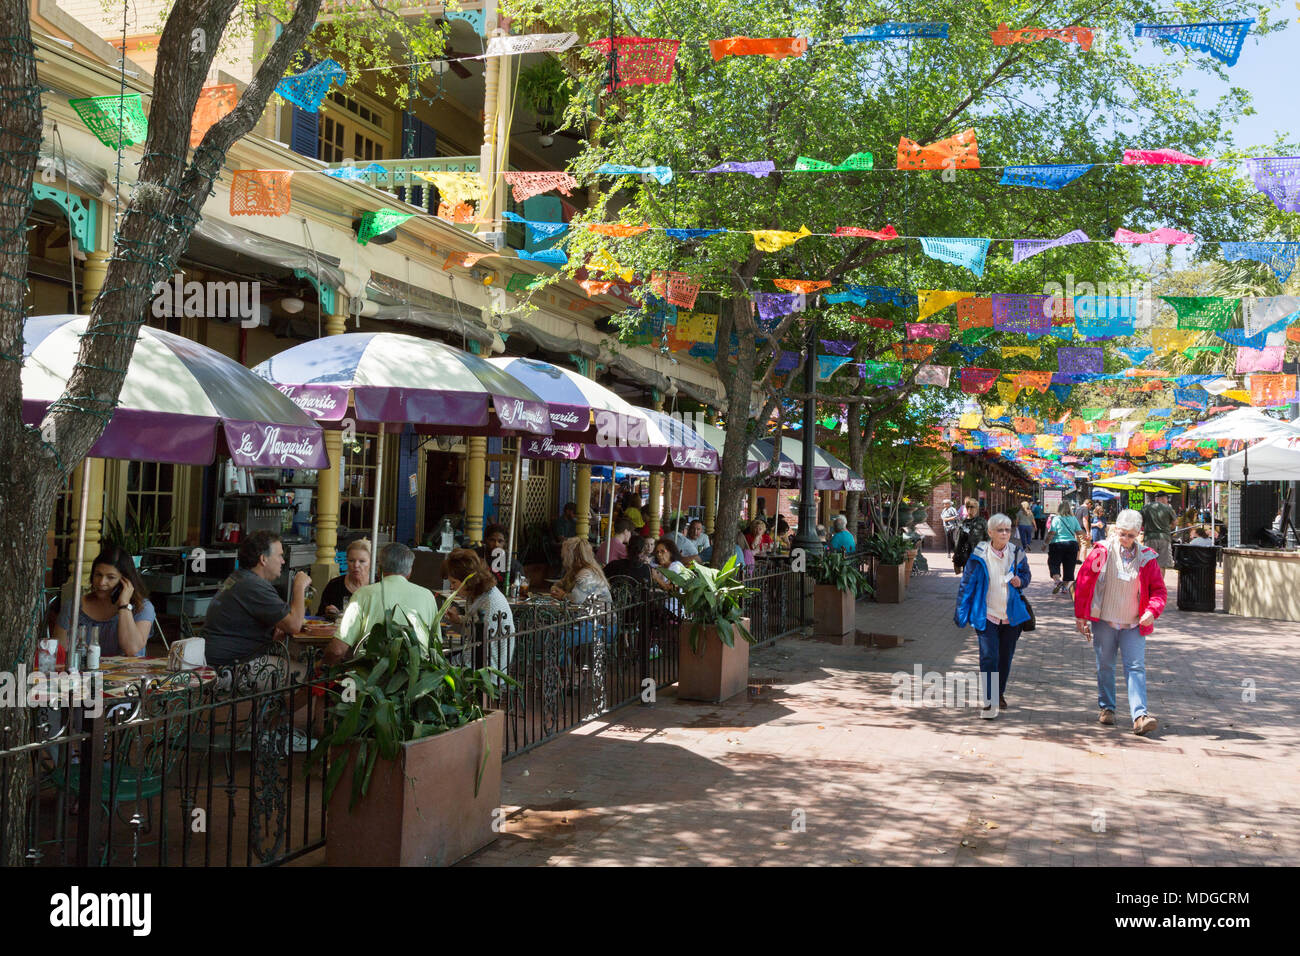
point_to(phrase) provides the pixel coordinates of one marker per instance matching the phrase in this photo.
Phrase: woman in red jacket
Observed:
(1119, 593)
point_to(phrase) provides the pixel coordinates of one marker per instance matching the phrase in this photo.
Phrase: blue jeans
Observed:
(1026, 534)
(1107, 640)
(997, 647)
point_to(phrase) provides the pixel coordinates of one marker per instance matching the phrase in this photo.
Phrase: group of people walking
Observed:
(1118, 593)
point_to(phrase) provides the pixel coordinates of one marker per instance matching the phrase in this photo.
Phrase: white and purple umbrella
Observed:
(395, 378)
(581, 408)
(178, 400)
(688, 450)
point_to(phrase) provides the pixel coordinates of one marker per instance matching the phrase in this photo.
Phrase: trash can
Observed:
(1196, 569)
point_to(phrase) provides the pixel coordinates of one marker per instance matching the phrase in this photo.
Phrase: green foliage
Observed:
(1029, 103)
(888, 548)
(836, 569)
(402, 693)
(545, 90)
(712, 598)
(141, 532)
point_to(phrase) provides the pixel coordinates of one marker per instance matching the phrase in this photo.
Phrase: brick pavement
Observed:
(818, 739)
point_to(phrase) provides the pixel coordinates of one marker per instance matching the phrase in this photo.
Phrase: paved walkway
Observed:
(818, 766)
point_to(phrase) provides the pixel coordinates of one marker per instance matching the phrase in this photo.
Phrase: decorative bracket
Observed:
(81, 213)
(475, 18)
(325, 292)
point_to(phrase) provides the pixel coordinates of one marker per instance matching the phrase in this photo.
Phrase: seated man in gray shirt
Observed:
(246, 614)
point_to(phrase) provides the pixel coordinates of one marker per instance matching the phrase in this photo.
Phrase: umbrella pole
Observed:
(379, 485)
(681, 494)
(514, 510)
(609, 532)
(81, 555)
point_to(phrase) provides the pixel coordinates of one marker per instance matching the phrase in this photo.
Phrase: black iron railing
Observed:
(206, 768)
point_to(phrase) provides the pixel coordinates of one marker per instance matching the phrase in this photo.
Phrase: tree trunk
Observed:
(153, 232)
(739, 383)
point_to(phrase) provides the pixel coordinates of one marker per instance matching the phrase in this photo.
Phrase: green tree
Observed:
(153, 230)
(1029, 103)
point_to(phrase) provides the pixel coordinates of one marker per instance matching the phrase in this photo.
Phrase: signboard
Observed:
(1136, 499)
(1051, 500)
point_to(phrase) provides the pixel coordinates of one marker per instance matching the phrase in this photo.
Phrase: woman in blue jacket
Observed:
(989, 600)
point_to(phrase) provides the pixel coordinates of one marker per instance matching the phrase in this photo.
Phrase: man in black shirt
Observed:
(246, 614)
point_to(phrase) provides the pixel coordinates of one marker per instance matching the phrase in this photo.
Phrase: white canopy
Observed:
(1277, 459)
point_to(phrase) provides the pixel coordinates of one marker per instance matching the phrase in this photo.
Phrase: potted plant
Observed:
(415, 771)
(838, 584)
(711, 664)
(890, 551)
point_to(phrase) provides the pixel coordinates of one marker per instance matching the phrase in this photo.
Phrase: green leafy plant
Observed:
(544, 89)
(888, 548)
(141, 532)
(835, 569)
(400, 692)
(712, 598)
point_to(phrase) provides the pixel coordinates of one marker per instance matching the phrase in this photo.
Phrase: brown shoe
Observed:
(1002, 703)
(1144, 725)
(1107, 717)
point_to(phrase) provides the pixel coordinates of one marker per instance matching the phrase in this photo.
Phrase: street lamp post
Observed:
(806, 535)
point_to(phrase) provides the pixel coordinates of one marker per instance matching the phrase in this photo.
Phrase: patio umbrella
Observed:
(1182, 472)
(756, 460)
(1244, 424)
(582, 409)
(179, 399)
(1136, 483)
(688, 450)
(387, 377)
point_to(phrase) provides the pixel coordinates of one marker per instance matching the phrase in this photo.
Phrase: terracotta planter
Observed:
(911, 559)
(835, 614)
(717, 673)
(891, 583)
(420, 809)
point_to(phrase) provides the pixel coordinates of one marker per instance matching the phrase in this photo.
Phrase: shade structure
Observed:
(688, 450)
(1136, 483)
(395, 378)
(178, 401)
(1101, 494)
(1182, 472)
(1277, 459)
(829, 473)
(1241, 424)
(756, 460)
(580, 408)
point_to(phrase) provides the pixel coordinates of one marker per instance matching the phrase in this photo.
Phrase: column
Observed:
(710, 503)
(582, 498)
(325, 566)
(475, 483)
(654, 519)
(94, 270)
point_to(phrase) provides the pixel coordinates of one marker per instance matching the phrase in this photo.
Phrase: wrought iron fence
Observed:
(206, 767)
(200, 768)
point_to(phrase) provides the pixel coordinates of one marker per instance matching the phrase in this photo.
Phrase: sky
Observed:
(1267, 68)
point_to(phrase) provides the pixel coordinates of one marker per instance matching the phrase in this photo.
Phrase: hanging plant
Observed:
(544, 89)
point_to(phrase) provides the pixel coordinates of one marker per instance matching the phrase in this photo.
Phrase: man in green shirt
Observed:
(1157, 525)
(369, 604)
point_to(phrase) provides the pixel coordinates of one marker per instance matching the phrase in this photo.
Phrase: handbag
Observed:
(1032, 623)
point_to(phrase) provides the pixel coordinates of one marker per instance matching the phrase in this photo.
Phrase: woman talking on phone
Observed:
(117, 604)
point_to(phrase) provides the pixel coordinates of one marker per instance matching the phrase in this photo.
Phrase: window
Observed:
(353, 129)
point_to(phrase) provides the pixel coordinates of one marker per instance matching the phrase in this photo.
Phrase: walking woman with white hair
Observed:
(1118, 596)
(989, 600)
